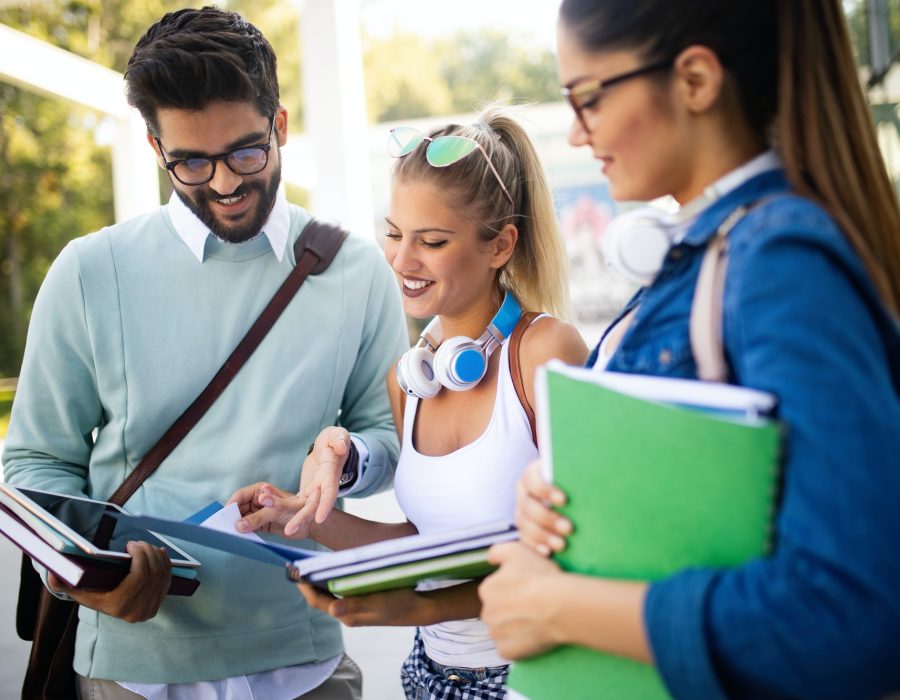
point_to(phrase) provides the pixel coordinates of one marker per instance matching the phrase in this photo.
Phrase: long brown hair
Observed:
(792, 64)
(827, 139)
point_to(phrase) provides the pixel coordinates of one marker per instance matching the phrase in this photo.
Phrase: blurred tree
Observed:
(408, 76)
(856, 12)
(403, 79)
(483, 66)
(55, 182)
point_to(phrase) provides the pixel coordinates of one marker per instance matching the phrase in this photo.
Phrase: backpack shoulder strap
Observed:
(515, 368)
(706, 320)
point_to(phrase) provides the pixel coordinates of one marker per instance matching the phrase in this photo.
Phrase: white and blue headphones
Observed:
(457, 363)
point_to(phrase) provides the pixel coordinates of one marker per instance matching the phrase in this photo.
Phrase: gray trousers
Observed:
(344, 684)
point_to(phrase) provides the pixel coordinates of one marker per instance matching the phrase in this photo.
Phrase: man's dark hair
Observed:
(190, 58)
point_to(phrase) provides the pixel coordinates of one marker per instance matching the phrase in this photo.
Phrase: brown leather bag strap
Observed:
(515, 368)
(314, 250)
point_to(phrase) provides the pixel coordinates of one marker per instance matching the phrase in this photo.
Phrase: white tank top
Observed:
(474, 484)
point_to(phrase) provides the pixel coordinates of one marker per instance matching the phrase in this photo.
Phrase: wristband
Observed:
(351, 465)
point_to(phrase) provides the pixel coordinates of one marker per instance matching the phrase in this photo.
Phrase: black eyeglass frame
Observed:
(170, 165)
(575, 93)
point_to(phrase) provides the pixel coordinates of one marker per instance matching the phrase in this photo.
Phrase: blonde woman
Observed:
(472, 238)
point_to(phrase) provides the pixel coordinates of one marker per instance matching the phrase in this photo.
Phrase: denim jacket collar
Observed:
(754, 189)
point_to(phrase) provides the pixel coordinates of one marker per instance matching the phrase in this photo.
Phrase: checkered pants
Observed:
(424, 679)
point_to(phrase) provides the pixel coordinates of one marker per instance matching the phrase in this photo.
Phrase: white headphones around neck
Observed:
(457, 363)
(635, 243)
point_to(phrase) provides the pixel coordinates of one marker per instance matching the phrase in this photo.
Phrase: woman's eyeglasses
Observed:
(198, 170)
(441, 151)
(585, 94)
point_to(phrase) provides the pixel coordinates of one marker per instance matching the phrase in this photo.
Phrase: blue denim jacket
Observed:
(819, 617)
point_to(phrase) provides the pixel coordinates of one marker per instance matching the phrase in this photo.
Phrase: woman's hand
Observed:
(139, 595)
(540, 527)
(267, 508)
(401, 607)
(518, 601)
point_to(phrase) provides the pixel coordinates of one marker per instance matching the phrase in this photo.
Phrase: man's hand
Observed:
(321, 475)
(267, 508)
(140, 594)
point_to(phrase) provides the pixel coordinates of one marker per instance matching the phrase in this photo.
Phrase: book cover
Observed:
(403, 562)
(79, 571)
(654, 486)
(460, 566)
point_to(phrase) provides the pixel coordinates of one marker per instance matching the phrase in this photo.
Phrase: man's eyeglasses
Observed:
(198, 170)
(441, 151)
(584, 95)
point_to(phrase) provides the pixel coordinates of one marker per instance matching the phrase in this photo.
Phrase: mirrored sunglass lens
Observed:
(446, 150)
(402, 140)
(246, 161)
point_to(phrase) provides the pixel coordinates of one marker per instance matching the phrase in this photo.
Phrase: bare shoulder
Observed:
(549, 338)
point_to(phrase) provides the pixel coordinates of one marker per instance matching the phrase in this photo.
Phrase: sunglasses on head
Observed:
(441, 151)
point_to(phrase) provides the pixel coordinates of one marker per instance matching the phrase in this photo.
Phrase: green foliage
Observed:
(408, 76)
(55, 179)
(856, 12)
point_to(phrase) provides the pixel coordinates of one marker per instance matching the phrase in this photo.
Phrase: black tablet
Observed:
(85, 525)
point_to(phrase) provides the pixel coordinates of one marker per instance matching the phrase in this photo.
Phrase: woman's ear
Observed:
(700, 78)
(503, 245)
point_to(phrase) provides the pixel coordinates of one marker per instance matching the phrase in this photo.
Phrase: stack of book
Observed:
(405, 561)
(52, 543)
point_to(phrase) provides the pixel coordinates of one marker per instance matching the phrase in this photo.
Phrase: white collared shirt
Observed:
(195, 233)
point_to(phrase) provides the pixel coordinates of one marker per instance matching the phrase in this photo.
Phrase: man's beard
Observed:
(198, 203)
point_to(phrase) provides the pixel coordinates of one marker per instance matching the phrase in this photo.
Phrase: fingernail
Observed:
(267, 502)
(241, 526)
(563, 526)
(557, 543)
(558, 497)
(543, 549)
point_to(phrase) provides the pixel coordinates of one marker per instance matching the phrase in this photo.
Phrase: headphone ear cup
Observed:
(415, 373)
(635, 244)
(459, 363)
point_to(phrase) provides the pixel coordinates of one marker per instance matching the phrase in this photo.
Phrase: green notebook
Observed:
(661, 474)
(459, 566)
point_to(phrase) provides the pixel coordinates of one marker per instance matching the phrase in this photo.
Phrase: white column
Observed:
(37, 66)
(135, 171)
(334, 112)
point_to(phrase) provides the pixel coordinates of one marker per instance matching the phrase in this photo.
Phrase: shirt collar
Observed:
(685, 217)
(194, 232)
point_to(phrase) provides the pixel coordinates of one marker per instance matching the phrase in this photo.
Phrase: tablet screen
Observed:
(92, 521)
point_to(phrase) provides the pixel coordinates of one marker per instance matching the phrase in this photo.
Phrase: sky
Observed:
(533, 20)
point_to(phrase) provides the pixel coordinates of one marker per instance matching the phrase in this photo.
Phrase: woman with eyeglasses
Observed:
(754, 104)
(472, 238)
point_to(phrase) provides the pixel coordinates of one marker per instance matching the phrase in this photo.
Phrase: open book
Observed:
(396, 563)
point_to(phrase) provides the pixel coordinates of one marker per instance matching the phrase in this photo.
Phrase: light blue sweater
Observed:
(127, 329)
